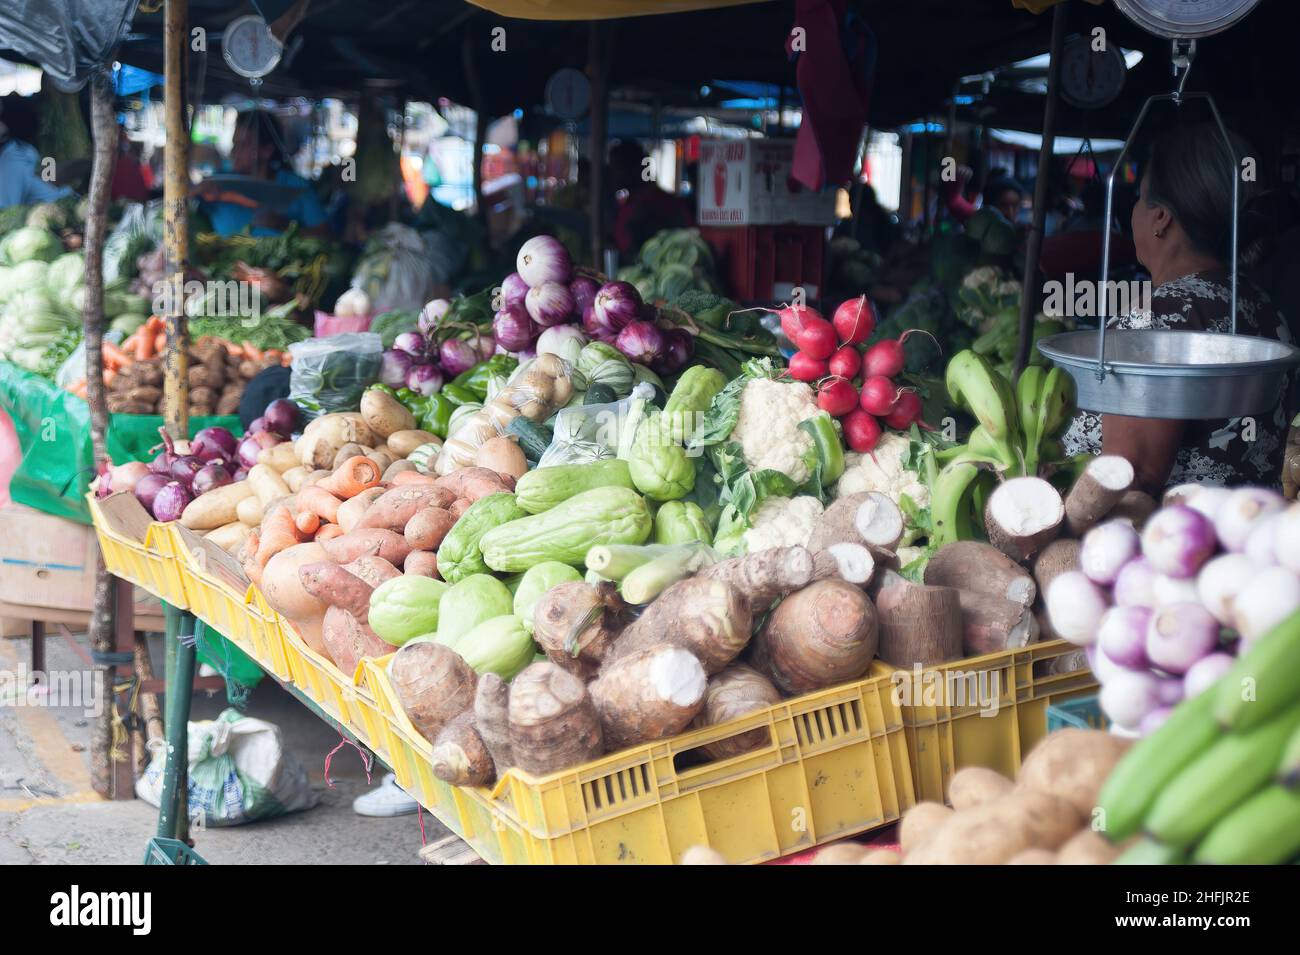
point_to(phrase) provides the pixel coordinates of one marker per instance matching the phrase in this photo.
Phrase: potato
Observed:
(1087, 847)
(229, 537)
(396, 468)
(267, 484)
(1072, 764)
(881, 857)
(842, 853)
(216, 508)
(1033, 857)
(997, 831)
(279, 457)
(502, 455)
(385, 414)
(402, 443)
(323, 437)
(250, 510)
(383, 458)
(976, 785)
(349, 450)
(920, 822)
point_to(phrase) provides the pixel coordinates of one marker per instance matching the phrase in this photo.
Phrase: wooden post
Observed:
(176, 191)
(103, 129)
(598, 49)
(1034, 245)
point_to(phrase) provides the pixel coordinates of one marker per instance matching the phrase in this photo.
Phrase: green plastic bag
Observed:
(237, 668)
(53, 428)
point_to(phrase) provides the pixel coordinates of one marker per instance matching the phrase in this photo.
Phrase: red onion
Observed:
(484, 344)
(209, 477)
(162, 464)
(252, 446)
(549, 304)
(513, 328)
(257, 426)
(281, 417)
(394, 368)
(212, 444)
(457, 356)
(542, 259)
(513, 290)
(171, 501)
(241, 474)
(184, 468)
(432, 314)
(124, 477)
(678, 347)
(413, 344)
(641, 342)
(147, 488)
(617, 303)
(583, 290)
(424, 379)
(593, 326)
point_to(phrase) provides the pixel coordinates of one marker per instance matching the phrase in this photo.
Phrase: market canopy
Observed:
(68, 39)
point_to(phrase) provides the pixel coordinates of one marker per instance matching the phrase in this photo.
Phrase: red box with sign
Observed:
(764, 263)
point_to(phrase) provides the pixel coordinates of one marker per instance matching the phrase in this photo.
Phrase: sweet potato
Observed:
(398, 505)
(294, 477)
(553, 721)
(459, 507)
(460, 756)
(648, 695)
(352, 510)
(427, 527)
(473, 483)
(433, 684)
(821, 635)
(421, 563)
(411, 479)
(229, 537)
(267, 483)
(279, 457)
(250, 510)
(284, 592)
(373, 570)
(332, 585)
(347, 640)
(710, 618)
(396, 468)
(371, 540)
(735, 692)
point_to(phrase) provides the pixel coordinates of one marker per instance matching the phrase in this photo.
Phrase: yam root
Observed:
(975, 785)
(370, 540)
(1072, 764)
(997, 831)
(766, 575)
(348, 640)
(917, 623)
(427, 527)
(575, 624)
(979, 568)
(336, 587)
(921, 822)
(710, 618)
(991, 624)
(1094, 495)
(1022, 516)
(396, 506)
(853, 563)
(460, 756)
(735, 692)
(819, 636)
(1134, 507)
(421, 563)
(869, 518)
(1053, 560)
(433, 684)
(836, 524)
(553, 721)
(492, 717)
(648, 695)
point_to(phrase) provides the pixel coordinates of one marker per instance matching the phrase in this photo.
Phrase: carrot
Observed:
(278, 531)
(308, 523)
(351, 477)
(160, 343)
(109, 375)
(314, 499)
(114, 357)
(328, 532)
(128, 343)
(273, 354)
(154, 324)
(144, 345)
(411, 477)
(234, 349)
(251, 351)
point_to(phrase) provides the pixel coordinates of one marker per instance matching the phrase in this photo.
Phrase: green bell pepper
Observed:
(392, 392)
(459, 394)
(476, 379)
(435, 414)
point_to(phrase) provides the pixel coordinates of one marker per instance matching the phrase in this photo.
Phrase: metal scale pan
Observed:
(1174, 374)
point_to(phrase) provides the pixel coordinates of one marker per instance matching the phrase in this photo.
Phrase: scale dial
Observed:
(568, 94)
(249, 48)
(1091, 80)
(1185, 19)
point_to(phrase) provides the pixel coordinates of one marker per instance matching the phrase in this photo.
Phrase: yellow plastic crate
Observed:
(836, 764)
(316, 675)
(980, 711)
(151, 565)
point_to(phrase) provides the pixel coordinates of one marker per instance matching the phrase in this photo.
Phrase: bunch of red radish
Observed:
(830, 356)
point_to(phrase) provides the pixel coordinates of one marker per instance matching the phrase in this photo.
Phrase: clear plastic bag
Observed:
(329, 374)
(586, 433)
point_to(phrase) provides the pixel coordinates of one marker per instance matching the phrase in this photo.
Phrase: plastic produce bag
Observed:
(396, 270)
(329, 374)
(138, 232)
(586, 433)
(239, 771)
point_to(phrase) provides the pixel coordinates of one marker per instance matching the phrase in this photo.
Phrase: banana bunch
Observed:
(1219, 782)
(1017, 432)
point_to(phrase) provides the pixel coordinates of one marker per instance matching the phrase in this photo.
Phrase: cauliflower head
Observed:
(782, 522)
(767, 427)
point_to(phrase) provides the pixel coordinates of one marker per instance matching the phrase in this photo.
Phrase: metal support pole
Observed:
(176, 190)
(1029, 300)
(173, 818)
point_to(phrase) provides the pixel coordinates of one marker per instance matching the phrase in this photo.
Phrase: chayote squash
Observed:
(405, 607)
(468, 603)
(603, 515)
(679, 522)
(536, 581)
(499, 645)
(459, 554)
(660, 467)
(691, 397)
(543, 488)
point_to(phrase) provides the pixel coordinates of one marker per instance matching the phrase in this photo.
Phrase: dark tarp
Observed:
(68, 39)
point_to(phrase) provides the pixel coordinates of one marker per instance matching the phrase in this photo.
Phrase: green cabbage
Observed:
(30, 244)
(21, 278)
(66, 274)
(47, 215)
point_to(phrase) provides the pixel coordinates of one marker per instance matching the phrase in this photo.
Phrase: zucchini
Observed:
(534, 438)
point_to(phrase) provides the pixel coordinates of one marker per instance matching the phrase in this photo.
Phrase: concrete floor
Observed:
(49, 814)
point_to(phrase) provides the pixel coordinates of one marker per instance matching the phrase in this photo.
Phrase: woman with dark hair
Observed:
(258, 152)
(1182, 226)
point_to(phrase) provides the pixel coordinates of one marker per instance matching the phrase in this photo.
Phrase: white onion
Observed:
(1219, 583)
(1261, 543)
(1205, 672)
(1239, 513)
(1272, 596)
(1129, 696)
(1075, 606)
(1106, 549)
(1179, 635)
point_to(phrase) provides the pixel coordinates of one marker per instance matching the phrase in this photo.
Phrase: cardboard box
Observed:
(46, 561)
(746, 182)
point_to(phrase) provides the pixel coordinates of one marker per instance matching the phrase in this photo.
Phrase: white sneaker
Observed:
(386, 799)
